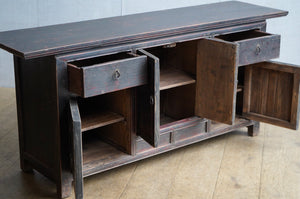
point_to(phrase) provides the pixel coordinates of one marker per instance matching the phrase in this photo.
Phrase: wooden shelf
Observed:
(98, 155)
(170, 78)
(96, 119)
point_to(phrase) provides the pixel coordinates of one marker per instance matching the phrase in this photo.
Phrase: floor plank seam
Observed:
(262, 162)
(125, 187)
(173, 179)
(226, 142)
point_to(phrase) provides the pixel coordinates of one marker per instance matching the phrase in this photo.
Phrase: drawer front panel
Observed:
(108, 77)
(258, 49)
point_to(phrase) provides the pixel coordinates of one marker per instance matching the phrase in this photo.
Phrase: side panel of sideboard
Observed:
(38, 123)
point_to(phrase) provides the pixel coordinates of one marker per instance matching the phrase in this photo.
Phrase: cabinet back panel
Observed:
(178, 103)
(267, 90)
(182, 56)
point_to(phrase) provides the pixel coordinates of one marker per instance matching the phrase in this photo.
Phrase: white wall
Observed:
(18, 14)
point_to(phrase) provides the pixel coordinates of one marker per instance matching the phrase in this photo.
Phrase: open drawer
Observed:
(270, 92)
(103, 74)
(252, 46)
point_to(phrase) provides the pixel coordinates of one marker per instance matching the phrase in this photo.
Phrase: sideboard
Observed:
(99, 94)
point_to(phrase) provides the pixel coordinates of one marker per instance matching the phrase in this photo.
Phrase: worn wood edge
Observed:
(118, 60)
(269, 120)
(279, 66)
(155, 75)
(117, 118)
(180, 124)
(75, 79)
(247, 89)
(235, 47)
(90, 53)
(295, 102)
(139, 37)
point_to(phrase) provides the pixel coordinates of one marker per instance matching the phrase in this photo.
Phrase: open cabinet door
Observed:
(216, 80)
(148, 114)
(271, 93)
(76, 134)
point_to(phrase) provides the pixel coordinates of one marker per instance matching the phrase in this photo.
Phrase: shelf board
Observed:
(170, 78)
(98, 119)
(98, 155)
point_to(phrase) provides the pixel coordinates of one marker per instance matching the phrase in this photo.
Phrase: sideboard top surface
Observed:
(51, 40)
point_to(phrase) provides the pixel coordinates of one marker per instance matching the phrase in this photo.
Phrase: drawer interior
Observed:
(103, 59)
(239, 36)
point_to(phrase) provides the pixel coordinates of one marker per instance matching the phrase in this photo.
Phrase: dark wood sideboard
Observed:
(99, 94)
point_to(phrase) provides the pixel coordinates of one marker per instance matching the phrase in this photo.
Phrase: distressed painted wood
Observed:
(180, 67)
(254, 46)
(216, 80)
(105, 74)
(75, 131)
(148, 101)
(131, 28)
(272, 93)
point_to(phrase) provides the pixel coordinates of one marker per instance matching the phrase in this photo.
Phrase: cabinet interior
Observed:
(177, 103)
(108, 118)
(177, 80)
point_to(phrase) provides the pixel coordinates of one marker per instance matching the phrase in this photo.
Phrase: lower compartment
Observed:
(98, 156)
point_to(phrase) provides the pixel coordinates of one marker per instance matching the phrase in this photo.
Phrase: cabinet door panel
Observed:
(148, 116)
(271, 93)
(216, 80)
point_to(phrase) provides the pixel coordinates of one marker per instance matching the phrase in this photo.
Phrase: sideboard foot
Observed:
(64, 190)
(253, 130)
(25, 166)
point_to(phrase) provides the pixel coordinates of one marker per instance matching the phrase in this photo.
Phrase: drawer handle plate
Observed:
(116, 74)
(258, 49)
(151, 100)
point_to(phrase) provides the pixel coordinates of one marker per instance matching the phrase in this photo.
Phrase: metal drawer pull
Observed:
(116, 74)
(151, 100)
(257, 50)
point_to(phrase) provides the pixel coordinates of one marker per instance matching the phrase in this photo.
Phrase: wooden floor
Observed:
(230, 166)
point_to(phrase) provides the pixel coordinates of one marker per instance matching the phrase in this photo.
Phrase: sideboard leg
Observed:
(64, 190)
(253, 130)
(25, 166)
